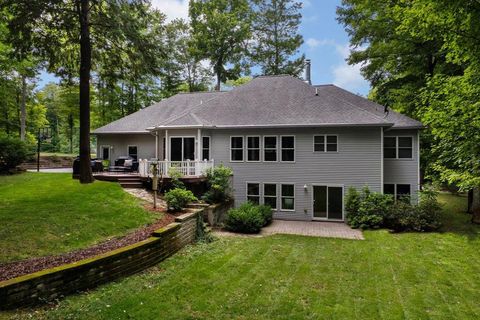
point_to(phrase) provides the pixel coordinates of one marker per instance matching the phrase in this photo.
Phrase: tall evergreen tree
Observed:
(276, 39)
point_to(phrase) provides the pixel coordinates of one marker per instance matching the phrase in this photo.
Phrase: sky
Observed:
(325, 43)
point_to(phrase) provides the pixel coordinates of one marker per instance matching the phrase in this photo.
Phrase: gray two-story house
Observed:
(295, 146)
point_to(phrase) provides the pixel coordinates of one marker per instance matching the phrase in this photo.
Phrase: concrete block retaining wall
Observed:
(50, 284)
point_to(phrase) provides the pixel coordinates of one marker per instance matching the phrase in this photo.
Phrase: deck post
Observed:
(167, 146)
(156, 144)
(199, 152)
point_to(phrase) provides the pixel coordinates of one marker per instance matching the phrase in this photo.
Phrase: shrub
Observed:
(175, 176)
(218, 180)
(267, 214)
(367, 210)
(246, 219)
(352, 202)
(13, 152)
(178, 198)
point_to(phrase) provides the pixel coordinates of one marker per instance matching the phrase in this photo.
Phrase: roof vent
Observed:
(316, 91)
(307, 76)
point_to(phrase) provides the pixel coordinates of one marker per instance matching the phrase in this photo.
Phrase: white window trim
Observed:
(109, 151)
(325, 143)
(243, 149)
(183, 137)
(281, 196)
(253, 195)
(276, 148)
(128, 149)
(209, 147)
(343, 199)
(259, 148)
(397, 147)
(279, 144)
(395, 190)
(276, 196)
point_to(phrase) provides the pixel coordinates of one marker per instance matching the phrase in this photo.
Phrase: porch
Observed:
(188, 168)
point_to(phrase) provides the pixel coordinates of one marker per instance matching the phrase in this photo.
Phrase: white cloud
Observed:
(172, 8)
(313, 43)
(345, 75)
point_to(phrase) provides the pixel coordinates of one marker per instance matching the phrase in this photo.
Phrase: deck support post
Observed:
(199, 152)
(156, 145)
(167, 151)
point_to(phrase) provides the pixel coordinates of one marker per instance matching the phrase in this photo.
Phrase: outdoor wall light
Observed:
(305, 187)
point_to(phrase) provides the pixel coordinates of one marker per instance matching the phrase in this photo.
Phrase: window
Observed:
(403, 192)
(253, 148)
(319, 143)
(253, 192)
(182, 148)
(205, 148)
(236, 148)
(398, 191)
(270, 195)
(270, 148)
(288, 148)
(132, 152)
(105, 152)
(405, 147)
(288, 197)
(398, 147)
(325, 143)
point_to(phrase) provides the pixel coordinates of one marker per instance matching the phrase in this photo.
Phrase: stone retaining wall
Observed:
(50, 284)
(216, 214)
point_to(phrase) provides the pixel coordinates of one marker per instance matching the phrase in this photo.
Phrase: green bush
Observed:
(178, 198)
(219, 188)
(247, 218)
(175, 176)
(13, 152)
(267, 214)
(371, 210)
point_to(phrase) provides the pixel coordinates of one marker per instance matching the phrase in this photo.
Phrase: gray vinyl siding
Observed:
(357, 163)
(145, 144)
(403, 171)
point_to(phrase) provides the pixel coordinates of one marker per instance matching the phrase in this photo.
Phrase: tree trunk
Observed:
(23, 109)
(85, 66)
(476, 205)
(469, 201)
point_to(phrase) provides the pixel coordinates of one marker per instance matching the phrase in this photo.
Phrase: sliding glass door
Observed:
(327, 202)
(182, 148)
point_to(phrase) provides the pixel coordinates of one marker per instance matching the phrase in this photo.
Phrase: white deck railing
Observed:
(187, 168)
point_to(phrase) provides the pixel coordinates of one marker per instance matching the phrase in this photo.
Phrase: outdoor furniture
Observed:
(124, 164)
(95, 164)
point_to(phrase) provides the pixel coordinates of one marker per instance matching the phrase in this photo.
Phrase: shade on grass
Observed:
(44, 213)
(386, 276)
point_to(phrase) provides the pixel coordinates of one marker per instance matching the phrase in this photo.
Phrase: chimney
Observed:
(307, 77)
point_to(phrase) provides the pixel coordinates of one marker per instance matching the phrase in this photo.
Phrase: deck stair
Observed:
(130, 181)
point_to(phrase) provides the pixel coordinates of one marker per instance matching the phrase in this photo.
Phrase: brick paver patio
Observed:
(313, 228)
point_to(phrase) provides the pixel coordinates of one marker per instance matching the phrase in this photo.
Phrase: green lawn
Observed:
(44, 213)
(386, 276)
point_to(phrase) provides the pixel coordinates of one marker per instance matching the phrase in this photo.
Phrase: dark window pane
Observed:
(319, 139)
(335, 203)
(237, 142)
(270, 142)
(389, 189)
(288, 155)
(105, 153)
(390, 142)
(253, 155)
(253, 142)
(270, 155)
(176, 149)
(255, 200)
(331, 147)
(270, 189)
(288, 142)
(288, 203)
(331, 139)
(253, 189)
(206, 142)
(405, 153)
(389, 153)
(404, 142)
(319, 147)
(237, 155)
(132, 152)
(206, 154)
(320, 201)
(271, 201)
(189, 149)
(287, 190)
(403, 189)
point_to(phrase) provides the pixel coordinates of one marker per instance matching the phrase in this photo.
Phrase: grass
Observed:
(44, 214)
(386, 276)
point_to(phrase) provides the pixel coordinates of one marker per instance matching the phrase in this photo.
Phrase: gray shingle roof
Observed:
(265, 101)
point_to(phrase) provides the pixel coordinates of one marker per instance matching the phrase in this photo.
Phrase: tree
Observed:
(220, 31)
(62, 32)
(276, 39)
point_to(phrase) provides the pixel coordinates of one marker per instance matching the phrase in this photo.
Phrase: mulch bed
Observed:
(19, 268)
